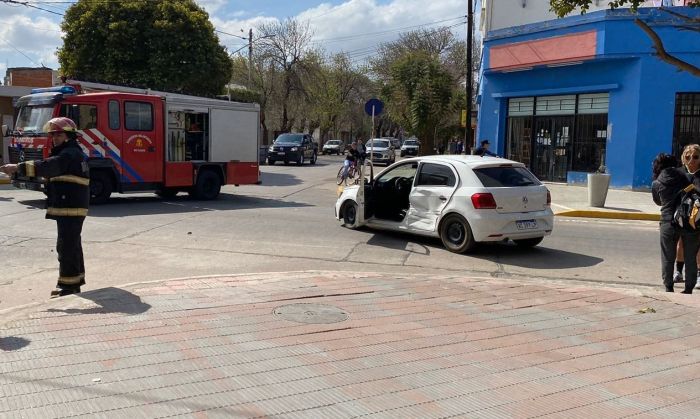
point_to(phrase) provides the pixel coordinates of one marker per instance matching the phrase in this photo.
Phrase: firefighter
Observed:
(68, 196)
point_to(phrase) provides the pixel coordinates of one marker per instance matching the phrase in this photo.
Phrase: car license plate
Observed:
(280, 153)
(526, 224)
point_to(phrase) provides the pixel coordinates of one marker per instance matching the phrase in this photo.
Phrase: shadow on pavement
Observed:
(125, 205)
(109, 300)
(13, 343)
(539, 257)
(397, 241)
(278, 179)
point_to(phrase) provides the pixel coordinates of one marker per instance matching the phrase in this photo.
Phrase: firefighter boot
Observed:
(61, 292)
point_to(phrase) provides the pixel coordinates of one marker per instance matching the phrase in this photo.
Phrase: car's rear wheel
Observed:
(350, 214)
(529, 242)
(456, 235)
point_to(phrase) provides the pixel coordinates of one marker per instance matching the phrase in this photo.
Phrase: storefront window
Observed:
(570, 133)
(686, 129)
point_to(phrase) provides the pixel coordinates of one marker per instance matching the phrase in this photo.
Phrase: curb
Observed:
(618, 215)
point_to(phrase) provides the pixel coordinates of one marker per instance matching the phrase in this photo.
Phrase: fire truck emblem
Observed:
(138, 143)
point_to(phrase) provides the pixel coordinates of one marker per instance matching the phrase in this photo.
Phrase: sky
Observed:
(30, 34)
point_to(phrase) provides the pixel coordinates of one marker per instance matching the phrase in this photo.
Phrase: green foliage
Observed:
(419, 94)
(162, 44)
(564, 7)
(244, 95)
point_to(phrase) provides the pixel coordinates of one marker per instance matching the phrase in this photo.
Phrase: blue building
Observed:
(567, 96)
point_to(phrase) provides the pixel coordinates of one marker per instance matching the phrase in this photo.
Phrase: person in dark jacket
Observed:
(483, 150)
(668, 181)
(68, 196)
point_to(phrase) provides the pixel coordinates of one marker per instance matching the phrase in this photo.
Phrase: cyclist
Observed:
(351, 157)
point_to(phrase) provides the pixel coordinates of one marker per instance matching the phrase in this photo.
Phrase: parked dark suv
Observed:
(293, 148)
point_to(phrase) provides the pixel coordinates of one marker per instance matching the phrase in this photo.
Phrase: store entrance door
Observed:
(552, 142)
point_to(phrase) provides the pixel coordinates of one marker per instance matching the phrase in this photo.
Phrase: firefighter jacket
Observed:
(68, 180)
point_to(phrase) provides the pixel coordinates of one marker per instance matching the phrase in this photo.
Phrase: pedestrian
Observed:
(362, 151)
(691, 166)
(352, 156)
(483, 150)
(459, 147)
(668, 181)
(441, 148)
(68, 196)
(452, 147)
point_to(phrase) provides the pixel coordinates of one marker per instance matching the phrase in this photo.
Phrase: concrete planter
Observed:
(598, 184)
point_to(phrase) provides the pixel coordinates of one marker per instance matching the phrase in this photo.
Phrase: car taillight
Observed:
(483, 201)
(549, 198)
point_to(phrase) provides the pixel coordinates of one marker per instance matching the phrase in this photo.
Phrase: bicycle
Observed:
(352, 172)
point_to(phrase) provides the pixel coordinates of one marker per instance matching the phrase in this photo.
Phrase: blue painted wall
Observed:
(642, 87)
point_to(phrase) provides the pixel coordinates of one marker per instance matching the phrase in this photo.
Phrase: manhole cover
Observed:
(311, 313)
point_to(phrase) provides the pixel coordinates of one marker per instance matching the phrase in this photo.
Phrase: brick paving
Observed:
(338, 345)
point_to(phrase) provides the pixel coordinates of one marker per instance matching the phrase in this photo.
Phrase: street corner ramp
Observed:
(348, 344)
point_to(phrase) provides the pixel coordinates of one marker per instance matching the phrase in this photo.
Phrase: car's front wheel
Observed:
(300, 160)
(529, 242)
(313, 158)
(350, 214)
(456, 235)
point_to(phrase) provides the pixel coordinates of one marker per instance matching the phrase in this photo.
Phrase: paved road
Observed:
(287, 224)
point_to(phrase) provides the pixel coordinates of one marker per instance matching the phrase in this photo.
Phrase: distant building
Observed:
(30, 77)
(567, 96)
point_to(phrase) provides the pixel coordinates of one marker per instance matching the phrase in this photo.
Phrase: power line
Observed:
(16, 49)
(362, 35)
(25, 3)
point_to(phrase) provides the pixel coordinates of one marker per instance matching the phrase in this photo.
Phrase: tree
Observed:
(285, 49)
(418, 95)
(564, 7)
(330, 91)
(161, 44)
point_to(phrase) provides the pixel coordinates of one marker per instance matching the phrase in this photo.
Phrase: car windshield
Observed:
(378, 144)
(333, 142)
(498, 177)
(289, 138)
(411, 142)
(31, 119)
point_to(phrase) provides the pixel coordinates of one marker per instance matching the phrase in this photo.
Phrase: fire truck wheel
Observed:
(208, 186)
(100, 187)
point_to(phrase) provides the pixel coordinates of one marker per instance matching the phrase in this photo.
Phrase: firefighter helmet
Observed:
(60, 124)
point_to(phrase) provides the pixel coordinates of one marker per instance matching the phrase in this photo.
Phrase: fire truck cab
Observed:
(140, 140)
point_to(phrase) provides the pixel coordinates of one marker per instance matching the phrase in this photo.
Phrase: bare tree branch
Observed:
(661, 51)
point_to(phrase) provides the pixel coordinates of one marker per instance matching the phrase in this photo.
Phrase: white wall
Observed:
(499, 14)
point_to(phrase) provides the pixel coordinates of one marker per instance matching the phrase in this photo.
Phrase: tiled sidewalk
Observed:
(320, 344)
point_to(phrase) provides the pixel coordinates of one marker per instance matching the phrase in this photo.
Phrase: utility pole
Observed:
(470, 76)
(250, 58)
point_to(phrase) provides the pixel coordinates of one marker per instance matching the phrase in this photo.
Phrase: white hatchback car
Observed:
(462, 200)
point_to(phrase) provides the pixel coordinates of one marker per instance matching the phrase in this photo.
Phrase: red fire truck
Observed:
(140, 140)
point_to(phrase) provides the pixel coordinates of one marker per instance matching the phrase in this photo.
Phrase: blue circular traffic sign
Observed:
(375, 103)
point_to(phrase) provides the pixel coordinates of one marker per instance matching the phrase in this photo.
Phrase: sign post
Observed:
(372, 107)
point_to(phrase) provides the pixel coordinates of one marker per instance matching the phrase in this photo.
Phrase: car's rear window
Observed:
(497, 177)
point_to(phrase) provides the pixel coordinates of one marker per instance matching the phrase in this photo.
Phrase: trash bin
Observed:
(598, 184)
